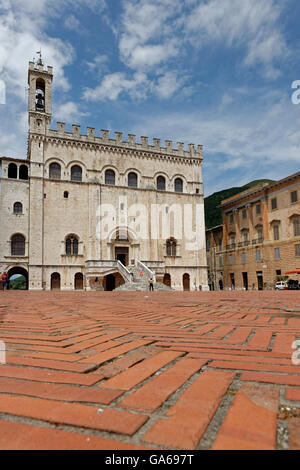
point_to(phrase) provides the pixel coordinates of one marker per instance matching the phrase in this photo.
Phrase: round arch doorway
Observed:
(55, 281)
(186, 282)
(16, 272)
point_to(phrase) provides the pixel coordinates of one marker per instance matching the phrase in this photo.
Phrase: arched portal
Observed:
(14, 273)
(186, 281)
(110, 282)
(78, 281)
(167, 280)
(55, 281)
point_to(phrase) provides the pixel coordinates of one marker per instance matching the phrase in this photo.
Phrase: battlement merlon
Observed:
(131, 143)
(40, 68)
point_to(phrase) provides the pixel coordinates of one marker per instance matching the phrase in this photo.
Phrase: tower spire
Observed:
(40, 61)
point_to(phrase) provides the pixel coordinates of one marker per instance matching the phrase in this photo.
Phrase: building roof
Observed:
(255, 190)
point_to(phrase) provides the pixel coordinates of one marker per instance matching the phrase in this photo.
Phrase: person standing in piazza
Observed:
(4, 280)
(151, 284)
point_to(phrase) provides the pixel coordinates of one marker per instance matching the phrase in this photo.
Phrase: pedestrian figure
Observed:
(4, 280)
(151, 284)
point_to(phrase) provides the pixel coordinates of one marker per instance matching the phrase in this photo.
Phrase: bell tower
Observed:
(40, 97)
(39, 119)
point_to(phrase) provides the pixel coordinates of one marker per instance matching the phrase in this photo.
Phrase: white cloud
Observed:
(168, 84)
(259, 142)
(71, 22)
(68, 112)
(22, 34)
(252, 24)
(146, 37)
(113, 85)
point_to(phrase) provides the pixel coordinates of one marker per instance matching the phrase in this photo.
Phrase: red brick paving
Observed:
(131, 371)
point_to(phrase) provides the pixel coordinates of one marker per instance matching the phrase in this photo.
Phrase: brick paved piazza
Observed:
(179, 370)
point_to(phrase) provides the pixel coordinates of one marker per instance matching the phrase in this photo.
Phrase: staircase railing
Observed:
(124, 271)
(148, 271)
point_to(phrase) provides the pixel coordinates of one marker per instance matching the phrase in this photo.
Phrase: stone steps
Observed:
(141, 283)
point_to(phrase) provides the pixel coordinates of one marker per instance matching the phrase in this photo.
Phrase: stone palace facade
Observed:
(82, 211)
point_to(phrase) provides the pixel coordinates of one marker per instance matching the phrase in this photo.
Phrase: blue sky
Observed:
(211, 72)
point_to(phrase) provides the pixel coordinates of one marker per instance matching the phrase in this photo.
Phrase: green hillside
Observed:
(213, 215)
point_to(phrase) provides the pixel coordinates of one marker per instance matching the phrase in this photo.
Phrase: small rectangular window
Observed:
(277, 253)
(274, 203)
(258, 255)
(243, 258)
(276, 232)
(258, 209)
(231, 219)
(230, 259)
(244, 214)
(297, 227)
(297, 250)
(294, 196)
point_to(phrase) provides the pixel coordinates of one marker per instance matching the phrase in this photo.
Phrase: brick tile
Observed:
(257, 367)
(189, 417)
(261, 339)
(123, 363)
(58, 392)
(121, 422)
(155, 392)
(250, 423)
(220, 332)
(48, 375)
(294, 433)
(137, 374)
(270, 378)
(79, 346)
(292, 394)
(283, 343)
(115, 352)
(19, 436)
(239, 335)
(47, 364)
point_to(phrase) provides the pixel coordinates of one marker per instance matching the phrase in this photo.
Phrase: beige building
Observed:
(214, 254)
(89, 212)
(261, 234)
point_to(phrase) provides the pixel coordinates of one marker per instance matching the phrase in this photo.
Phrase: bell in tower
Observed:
(40, 96)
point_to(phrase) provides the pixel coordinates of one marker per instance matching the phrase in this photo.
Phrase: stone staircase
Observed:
(140, 282)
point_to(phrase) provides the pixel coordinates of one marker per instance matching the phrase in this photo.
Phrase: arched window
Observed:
(178, 185)
(110, 177)
(23, 172)
(132, 180)
(12, 170)
(171, 246)
(55, 171)
(18, 208)
(76, 173)
(161, 183)
(71, 245)
(17, 245)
